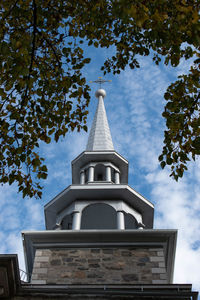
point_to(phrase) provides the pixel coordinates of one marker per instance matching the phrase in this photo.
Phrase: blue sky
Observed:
(134, 105)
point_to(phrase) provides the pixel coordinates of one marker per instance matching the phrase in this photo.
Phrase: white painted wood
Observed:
(91, 174)
(82, 177)
(76, 223)
(120, 220)
(117, 177)
(108, 173)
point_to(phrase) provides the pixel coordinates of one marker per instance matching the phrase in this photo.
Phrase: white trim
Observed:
(120, 220)
(76, 222)
(118, 205)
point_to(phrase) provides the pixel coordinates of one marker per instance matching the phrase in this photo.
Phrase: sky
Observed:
(134, 105)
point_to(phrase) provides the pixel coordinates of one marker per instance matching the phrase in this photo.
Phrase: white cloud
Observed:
(174, 205)
(14, 245)
(17, 214)
(177, 205)
(187, 265)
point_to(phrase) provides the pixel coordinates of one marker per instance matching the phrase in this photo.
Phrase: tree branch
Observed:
(34, 35)
(33, 46)
(52, 48)
(9, 12)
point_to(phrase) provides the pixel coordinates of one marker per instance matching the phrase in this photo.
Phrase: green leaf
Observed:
(43, 168)
(163, 164)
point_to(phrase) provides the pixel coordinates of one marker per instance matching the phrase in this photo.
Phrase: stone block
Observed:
(34, 276)
(38, 282)
(83, 260)
(106, 258)
(66, 275)
(141, 264)
(72, 264)
(67, 259)
(126, 253)
(38, 253)
(83, 268)
(55, 262)
(42, 276)
(144, 259)
(146, 278)
(157, 258)
(93, 260)
(42, 259)
(72, 251)
(113, 267)
(46, 252)
(94, 265)
(153, 253)
(130, 277)
(95, 250)
(40, 270)
(95, 275)
(163, 276)
(158, 270)
(53, 282)
(161, 265)
(44, 264)
(155, 276)
(121, 264)
(79, 274)
(154, 264)
(36, 265)
(107, 251)
(155, 249)
(158, 281)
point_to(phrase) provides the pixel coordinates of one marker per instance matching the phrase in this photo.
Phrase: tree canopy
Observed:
(43, 93)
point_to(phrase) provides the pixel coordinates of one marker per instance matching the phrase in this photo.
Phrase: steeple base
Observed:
(103, 256)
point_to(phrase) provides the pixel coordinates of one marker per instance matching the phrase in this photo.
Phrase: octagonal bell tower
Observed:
(99, 197)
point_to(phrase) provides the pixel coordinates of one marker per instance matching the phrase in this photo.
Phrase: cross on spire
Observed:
(100, 81)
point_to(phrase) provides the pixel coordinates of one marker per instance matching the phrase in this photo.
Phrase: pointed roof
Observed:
(100, 136)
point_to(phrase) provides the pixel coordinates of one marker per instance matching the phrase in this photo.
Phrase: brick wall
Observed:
(99, 265)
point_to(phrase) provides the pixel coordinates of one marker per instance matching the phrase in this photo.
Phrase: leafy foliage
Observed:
(43, 93)
(182, 113)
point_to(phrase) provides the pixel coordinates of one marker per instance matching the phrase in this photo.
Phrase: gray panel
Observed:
(99, 216)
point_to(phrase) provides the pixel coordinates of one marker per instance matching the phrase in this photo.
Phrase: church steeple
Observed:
(99, 197)
(100, 136)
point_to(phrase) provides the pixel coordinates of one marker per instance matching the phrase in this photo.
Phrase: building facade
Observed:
(99, 241)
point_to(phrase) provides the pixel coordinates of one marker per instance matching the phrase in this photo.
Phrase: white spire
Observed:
(100, 137)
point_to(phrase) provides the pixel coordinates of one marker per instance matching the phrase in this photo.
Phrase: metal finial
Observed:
(100, 80)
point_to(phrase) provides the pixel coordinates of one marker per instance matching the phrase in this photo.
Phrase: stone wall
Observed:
(99, 266)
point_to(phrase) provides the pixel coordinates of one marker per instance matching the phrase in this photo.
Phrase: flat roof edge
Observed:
(93, 186)
(99, 152)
